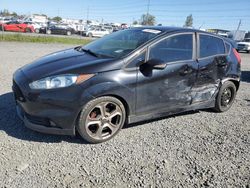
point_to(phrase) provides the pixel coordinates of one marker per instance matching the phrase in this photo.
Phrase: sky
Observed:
(221, 14)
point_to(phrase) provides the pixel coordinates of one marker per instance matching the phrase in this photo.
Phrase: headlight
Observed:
(59, 81)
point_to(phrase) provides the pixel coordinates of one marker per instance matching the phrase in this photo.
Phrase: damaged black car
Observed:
(128, 76)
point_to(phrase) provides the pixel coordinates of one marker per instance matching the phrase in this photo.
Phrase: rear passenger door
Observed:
(211, 57)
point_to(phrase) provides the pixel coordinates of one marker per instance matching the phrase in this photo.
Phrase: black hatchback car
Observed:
(57, 29)
(128, 76)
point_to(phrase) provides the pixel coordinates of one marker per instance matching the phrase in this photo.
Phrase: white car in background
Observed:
(36, 25)
(97, 32)
(244, 45)
(5, 20)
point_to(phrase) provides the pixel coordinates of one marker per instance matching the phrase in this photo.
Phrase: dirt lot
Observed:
(196, 149)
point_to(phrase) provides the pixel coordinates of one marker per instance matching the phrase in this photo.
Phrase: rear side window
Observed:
(211, 46)
(175, 48)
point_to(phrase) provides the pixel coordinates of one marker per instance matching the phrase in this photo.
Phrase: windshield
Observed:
(121, 43)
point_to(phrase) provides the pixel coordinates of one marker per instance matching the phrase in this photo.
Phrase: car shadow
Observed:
(13, 126)
(245, 76)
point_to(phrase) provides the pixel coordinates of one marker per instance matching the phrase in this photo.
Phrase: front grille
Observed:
(17, 92)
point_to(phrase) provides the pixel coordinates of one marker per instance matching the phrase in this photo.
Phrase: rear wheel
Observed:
(90, 35)
(225, 97)
(27, 30)
(101, 119)
(248, 51)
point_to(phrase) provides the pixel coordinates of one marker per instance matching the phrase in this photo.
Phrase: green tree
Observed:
(5, 12)
(135, 22)
(57, 19)
(148, 19)
(189, 21)
(14, 14)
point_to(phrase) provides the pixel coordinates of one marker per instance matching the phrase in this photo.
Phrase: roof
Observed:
(169, 29)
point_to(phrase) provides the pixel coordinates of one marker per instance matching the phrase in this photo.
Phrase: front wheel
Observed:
(225, 97)
(48, 32)
(68, 33)
(101, 119)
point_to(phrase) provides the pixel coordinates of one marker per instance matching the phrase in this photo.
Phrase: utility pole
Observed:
(148, 10)
(237, 29)
(87, 14)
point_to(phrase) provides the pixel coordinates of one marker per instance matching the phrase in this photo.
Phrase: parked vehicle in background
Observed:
(36, 26)
(17, 26)
(128, 76)
(108, 28)
(57, 29)
(5, 20)
(97, 32)
(237, 35)
(124, 26)
(244, 45)
(36, 18)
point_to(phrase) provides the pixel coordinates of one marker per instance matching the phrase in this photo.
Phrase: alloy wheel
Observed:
(104, 120)
(226, 97)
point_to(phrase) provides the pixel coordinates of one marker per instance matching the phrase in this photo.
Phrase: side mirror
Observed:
(156, 63)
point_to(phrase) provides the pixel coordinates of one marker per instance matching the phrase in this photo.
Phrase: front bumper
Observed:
(48, 111)
(42, 128)
(243, 48)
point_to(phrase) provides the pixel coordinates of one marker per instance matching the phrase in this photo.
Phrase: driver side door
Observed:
(167, 86)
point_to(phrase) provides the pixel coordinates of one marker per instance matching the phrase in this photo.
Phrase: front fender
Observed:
(114, 89)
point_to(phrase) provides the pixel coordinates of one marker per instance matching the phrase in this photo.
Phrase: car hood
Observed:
(69, 61)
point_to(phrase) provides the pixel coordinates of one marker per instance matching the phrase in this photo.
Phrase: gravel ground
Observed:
(196, 149)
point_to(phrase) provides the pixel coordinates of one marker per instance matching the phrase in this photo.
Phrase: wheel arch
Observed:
(236, 82)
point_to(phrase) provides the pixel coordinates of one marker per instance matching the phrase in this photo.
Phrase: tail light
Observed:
(237, 55)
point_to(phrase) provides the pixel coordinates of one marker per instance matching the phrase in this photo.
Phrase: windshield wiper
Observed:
(79, 48)
(89, 51)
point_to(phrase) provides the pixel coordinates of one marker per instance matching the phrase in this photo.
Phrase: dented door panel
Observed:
(211, 72)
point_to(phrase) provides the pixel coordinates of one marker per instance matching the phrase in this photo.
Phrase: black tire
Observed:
(48, 31)
(90, 35)
(248, 51)
(27, 30)
(106, 133)
(225, 97)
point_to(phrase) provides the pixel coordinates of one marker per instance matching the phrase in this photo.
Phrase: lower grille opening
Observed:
(17, 92)
(39, 120)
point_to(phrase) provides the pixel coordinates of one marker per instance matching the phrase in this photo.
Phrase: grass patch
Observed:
(42, 39)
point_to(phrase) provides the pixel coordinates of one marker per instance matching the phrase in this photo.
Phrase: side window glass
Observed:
(210, 46)
(175, 48)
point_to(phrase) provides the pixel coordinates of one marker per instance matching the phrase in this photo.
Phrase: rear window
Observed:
(211, 46)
